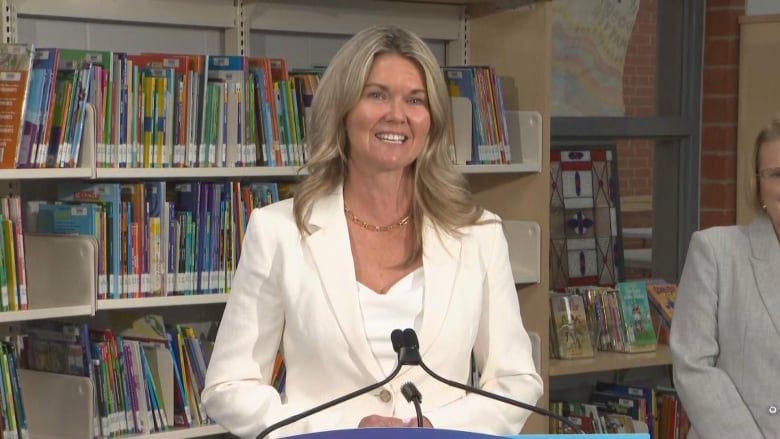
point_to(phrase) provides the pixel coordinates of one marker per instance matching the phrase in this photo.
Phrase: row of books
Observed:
(584, 320)
(481, 86)
(157, 110)
(151, 109)
(13, 271)
(625, 408)
(146, 378)
(13, 420)
(158, 238)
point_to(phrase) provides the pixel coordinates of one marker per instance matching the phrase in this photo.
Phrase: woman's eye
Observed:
(417, 101)
(375, 95)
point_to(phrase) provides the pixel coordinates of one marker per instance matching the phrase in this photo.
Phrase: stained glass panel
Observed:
(585, 238)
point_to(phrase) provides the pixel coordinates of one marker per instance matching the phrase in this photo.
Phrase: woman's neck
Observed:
(382, 198)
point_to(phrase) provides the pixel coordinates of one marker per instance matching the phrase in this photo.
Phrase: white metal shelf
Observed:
(45, 313)
(183, 433)
(525, 138)
(153, 302)
(191, 13)
(189, 173)
(45, 173)
(430, 20)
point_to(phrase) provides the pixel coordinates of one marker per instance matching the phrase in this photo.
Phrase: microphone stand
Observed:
(397, 340)
(409, 354)
(413, 395)
(329, 404)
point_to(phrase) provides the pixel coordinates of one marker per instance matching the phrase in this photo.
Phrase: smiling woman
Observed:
(388, 126)
(341, 265)
(725, 334)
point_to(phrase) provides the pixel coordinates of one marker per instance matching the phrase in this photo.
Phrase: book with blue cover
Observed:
(107, 195)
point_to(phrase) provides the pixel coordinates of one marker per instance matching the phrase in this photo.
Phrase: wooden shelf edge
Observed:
(608, 361)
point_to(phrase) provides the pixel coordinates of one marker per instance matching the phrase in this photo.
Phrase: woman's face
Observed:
(769, 182)
(389, 125)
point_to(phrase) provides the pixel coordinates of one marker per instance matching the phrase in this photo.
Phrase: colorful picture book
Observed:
(570, 326)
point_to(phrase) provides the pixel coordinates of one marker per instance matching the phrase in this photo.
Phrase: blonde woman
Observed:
(382, 234)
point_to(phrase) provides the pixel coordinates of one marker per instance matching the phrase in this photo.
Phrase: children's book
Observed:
(662, 298)
(107, 195)
(15, 65)
(570, 324)
(637, 324)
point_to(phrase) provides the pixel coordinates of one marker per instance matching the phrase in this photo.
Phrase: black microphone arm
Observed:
(397, 338)
(413, 395)
(412, 344)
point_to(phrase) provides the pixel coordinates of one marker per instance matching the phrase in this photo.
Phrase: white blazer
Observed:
(303, 291)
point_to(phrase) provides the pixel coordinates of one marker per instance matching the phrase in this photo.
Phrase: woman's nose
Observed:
(396, 110)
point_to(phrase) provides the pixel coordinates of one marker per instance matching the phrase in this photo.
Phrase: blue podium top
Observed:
(441, 433)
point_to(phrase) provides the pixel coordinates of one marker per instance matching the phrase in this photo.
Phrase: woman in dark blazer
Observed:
(725, 336)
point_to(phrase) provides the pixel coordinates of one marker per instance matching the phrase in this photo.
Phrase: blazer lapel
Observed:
(441, 259)
(766, 265)
(332, 255)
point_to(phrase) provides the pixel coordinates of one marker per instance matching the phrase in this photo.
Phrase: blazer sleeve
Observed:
(711, 399)
(502, 351)
(237, 393)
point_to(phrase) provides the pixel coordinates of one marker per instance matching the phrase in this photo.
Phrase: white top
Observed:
(399, 308)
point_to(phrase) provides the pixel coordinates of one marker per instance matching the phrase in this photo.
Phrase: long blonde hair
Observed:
(441, 193)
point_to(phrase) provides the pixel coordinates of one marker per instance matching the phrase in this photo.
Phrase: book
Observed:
(635, 391)
(570, 326)
(15, 66)
(94, 88)
(637, 324)
(108, 196)
(460, 83)
(662, 298)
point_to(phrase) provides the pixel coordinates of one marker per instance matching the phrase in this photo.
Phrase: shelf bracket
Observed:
(237, 37)
(9, 21)
(458, 50)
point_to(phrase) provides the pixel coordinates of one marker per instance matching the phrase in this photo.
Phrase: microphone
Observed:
(411, 348)
(413, 395)
(398, 340)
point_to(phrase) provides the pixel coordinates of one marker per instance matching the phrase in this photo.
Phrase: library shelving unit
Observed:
(513, 36)
(611, 361)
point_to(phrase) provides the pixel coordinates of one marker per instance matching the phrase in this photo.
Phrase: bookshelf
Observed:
(610, 361)
(475, 31)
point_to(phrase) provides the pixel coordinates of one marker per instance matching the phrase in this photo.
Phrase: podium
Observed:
(441, 433)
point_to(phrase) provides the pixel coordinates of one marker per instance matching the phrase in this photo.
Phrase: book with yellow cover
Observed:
(662, 298)
(570, 325)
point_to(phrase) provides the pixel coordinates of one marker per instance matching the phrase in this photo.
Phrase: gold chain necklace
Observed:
(368, 226)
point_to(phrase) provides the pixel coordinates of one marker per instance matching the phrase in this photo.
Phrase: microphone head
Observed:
(411, 392)
(409, 353)
(410, 339)
(397, 338)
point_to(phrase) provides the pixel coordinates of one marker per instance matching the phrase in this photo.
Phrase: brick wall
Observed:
(719, 112)
(635, 156)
